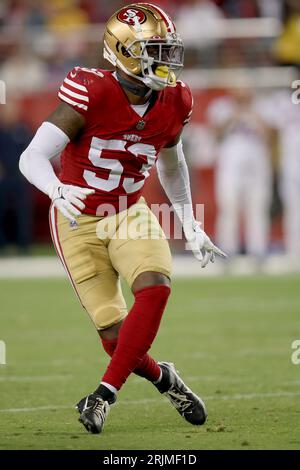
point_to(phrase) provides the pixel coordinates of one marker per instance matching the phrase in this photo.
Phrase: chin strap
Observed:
(135, 88)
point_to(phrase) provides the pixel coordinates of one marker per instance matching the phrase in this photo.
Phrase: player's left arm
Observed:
(174, 177)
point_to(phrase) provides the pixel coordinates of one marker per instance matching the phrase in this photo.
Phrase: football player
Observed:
(112, 127)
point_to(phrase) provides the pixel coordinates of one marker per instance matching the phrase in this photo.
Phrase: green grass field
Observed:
(229, 337)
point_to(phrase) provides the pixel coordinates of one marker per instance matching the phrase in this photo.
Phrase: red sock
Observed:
(147, 368)
(137, 334)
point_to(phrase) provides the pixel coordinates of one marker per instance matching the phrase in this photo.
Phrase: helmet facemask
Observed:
(161, 60)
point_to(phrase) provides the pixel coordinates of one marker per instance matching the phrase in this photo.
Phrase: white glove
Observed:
(68, 199)
(200, 244)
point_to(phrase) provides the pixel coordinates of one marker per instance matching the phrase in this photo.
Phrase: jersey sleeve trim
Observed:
(74, 94)
(187, 120)
(73, 84)
(187, 102)
(73, 103)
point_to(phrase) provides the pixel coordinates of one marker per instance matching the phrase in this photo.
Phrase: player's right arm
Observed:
(51, 138)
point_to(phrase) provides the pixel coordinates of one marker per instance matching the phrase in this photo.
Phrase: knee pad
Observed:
(106, 315)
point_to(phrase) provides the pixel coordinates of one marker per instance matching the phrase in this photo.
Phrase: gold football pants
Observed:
(100, 250)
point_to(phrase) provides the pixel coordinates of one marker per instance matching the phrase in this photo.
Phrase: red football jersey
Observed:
(116, 149)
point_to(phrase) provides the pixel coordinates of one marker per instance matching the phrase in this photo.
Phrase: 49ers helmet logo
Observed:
(132, 16)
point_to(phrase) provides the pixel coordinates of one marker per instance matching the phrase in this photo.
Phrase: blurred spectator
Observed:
(198, 20)
(283, 114)
(23, 72)
(243, 173)
(36, 15)
(287, 47)
(23, 13)
(58, 67)
(270, 8)
(3, 12)
(240, 9)
(15, 204)
(100, 11)
(65, 15)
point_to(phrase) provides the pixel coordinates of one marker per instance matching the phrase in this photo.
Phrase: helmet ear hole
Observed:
(124, 52)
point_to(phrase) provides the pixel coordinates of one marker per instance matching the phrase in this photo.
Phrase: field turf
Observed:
(229, 337)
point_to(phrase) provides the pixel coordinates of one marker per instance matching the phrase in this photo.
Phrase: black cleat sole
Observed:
(89, 425)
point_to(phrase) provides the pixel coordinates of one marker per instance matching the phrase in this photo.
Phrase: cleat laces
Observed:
(178, 400)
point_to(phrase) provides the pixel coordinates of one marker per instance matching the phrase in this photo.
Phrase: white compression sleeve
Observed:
(174, 177)
(34, 163)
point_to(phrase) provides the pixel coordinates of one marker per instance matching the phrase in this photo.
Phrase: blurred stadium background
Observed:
(230, 336)
(243, 141)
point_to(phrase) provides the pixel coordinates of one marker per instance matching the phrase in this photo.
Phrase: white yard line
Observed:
(31, 267)
(238, 352)
(202, 378)
(221, 380)
(37, 408)
(139, 380)
(35, 378)
(251, 396)
(238, 396)
(41, 267)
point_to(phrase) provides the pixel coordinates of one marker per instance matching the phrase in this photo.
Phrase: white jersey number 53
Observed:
(115, 166)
